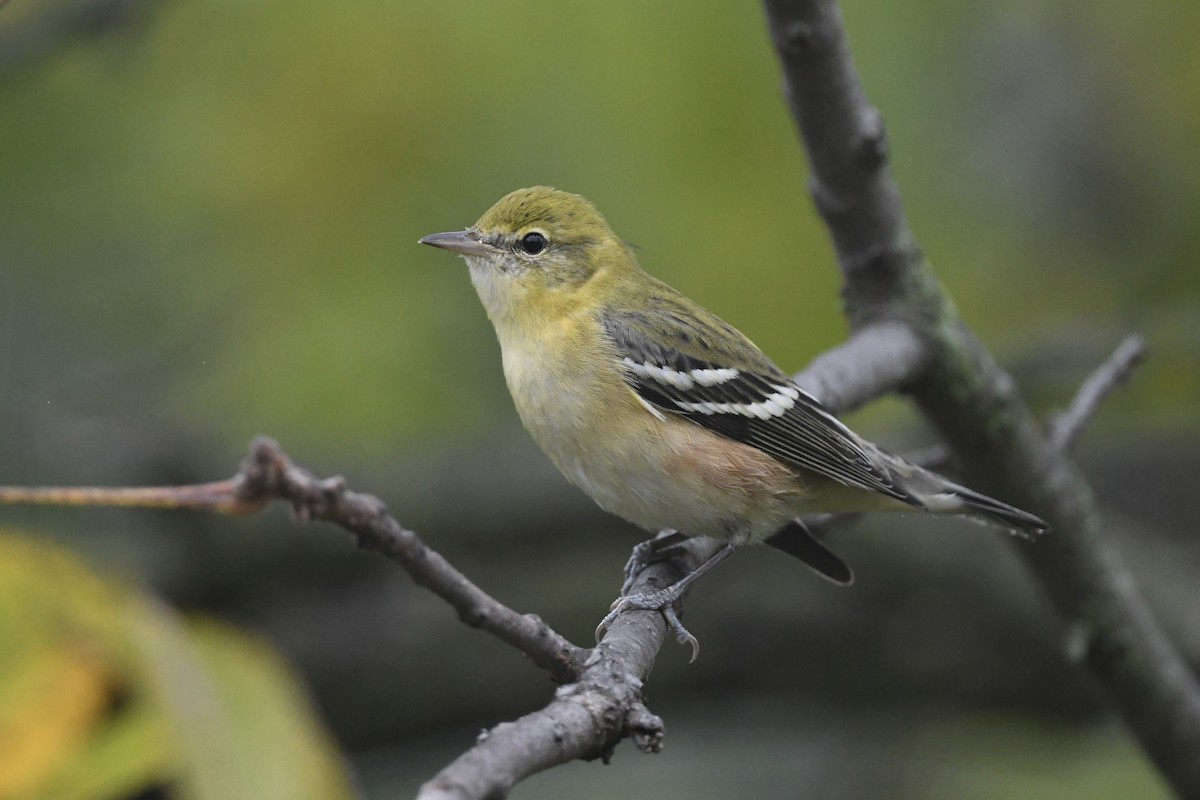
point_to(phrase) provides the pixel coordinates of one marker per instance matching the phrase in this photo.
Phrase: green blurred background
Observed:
(208, 231)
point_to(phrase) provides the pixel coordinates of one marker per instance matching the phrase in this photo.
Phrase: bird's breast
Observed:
(655, 470)
(568, 392)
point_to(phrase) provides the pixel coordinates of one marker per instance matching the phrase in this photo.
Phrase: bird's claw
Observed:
(682, 634)
(662, 601)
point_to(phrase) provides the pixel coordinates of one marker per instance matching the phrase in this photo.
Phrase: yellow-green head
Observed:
(536, 248)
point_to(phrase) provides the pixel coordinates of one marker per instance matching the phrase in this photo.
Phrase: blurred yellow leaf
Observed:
(49, 703)
(107, 693)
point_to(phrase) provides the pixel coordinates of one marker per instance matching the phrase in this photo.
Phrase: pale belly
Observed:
(654, 472)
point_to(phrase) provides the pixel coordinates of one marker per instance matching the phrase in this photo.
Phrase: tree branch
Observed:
(586, 719)
(1100, 384)
(972, 401)
(875, 360)
(268, 474)
(601, 699)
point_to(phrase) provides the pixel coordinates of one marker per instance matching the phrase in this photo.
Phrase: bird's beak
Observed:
(466, 242)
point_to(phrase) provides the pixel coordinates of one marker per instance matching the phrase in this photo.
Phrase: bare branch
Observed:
(586, 719)
(219, 496)
(1065, 428)
(973, 402)
(847, 148)
(1130, 353)
(874, 361)
(268, 474)
(601, 701)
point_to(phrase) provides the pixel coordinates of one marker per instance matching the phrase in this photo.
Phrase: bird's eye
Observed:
(533, 243)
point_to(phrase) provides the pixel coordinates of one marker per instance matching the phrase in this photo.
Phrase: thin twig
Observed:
(1065, 427)
(220, 497)
(1115, 370)
(268, 474)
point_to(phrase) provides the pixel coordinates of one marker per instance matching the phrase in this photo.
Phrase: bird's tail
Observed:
(989, 510)
(940, 495)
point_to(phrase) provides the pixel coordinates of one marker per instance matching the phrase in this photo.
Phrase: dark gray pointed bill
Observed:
(466, 242)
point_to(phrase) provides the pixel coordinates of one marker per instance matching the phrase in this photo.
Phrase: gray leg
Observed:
(664, 600)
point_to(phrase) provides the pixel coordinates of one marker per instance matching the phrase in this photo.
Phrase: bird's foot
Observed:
(662, 601)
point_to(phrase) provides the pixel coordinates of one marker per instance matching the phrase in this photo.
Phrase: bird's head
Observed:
(535, 249)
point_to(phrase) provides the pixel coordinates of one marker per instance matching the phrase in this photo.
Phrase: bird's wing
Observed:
(742, 396)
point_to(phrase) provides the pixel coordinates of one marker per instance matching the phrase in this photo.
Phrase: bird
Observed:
(664, 414)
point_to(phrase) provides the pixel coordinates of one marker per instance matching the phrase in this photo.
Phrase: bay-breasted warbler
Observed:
(660, 411)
